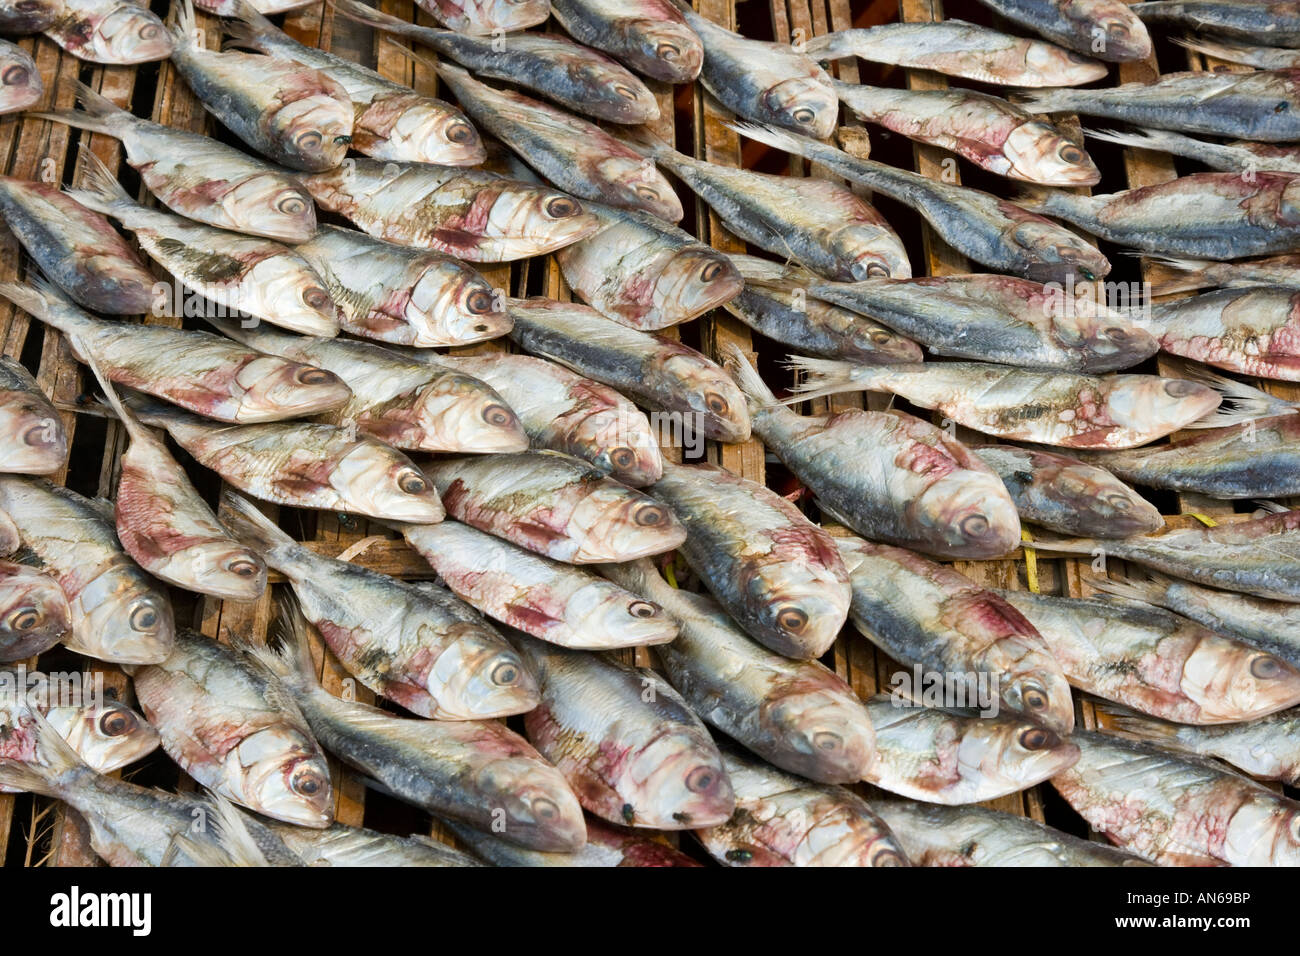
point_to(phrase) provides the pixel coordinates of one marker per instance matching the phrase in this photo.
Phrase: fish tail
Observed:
(248, 28)
(1044, 542)
(1241, 402)
(39, 298)
(747, 378)
(1049, 101)
(361, 13)
(230, 827)
(291, 662)
(639, 576)
(1146, 587)
(97, 113)
(128, 420)
(55, 759)
(1157, 139)
(450, 72)
(1220, 50)
(1195, 275)
(829, 377)
(250, 526)
(776, 138)
(100, 189)
(184, 23)
(1122, 722)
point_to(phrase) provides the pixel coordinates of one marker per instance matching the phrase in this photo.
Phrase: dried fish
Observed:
(1274, 22)
(34, 613)
(114, 32)
(1199, 273)
(21, 85)
(1253, 331)
(650, 36)
(1106, 29)
(33, 440)
(1239, 156)
(1261, 57)
(342, 845)
(606, 846)
(484, 17)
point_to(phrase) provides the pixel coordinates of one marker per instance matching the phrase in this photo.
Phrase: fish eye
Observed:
(1070, 153)
(117, 723)
(460, 133)
(642, 609)
(1180, 388)
(625, 91)
(646, 193)
(1034, 697)
(791, 619)
(716, 403)
(412, 482)
(291, 205)
(149, 31)
(562, 207)
(38, 434)
(306, 782)
(1119, 502)
(15, 76)
(243, 567)
(701, 779)
(310, 140)
(825, 740)
(1038, 738)
(317, 298)
(498, 415)
(739, 856)
(710, 271)
(24, 619)
(881, 337)
(1265, 667)
(1117, 29)
(505, 674)
(877, 270)
(310, 375)
(545, 809)
(478, 302)
(887, 857)
(667, 51)
(622, 457)
(144, 618)
(804, 115)
(974, 526)
(650, 516)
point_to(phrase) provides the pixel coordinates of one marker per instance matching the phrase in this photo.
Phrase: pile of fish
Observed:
(556, 541)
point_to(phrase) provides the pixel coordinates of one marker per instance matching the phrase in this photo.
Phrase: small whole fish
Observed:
(819, 223)
(1199, 273)
(1068, 495)
(1178, 811)
(798, 715)
(1265, 748)
(342, 845)
(1258, 557)
(645, 273)
(27, 16)
(390, 121)
(165, 525)
(938, 756)
(565, 412)
(33, 440)
(765, 82)
(662, 373)
(555, 602)
(21, 85)
(555, 505)
(1051, 408)
(416, 644)
(118, 613)
(413, 405)
(575, 76)
(574, 154)
(888, 475)
(230, 726)
(1260, 57)
(467, 213)
(1254, 331)
(401, 295)
(1106, 29)
(34, 612)
(114, 32)
(1157, 662)
(246, 275)
(606, 846)
(929, 616)
(650, 36)
(1239, 157)
(958, 48)
(997, 318)
(298, 116)
(1235, 215)
(1261, 106)
(990, 230)
(781, 820)
(304, 465)
(633, 751)
(198, 177)
(934, 835)
(986, 130)
(486, 17)
(779, 307)
(77, 248)
(230, 8)
(1271, 626)
(204, 373)
(778, 574)
(474, 771)
(1273, 22)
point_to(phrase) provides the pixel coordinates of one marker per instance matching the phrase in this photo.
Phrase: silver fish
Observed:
(486, 17)
(1261, 57)
(798, 715)
(118, 613)
(1106, 29)
(231, 727)
(345, 846)
(556, 602)
(1253, 331)
(1239, 157)
(1199, 273)
(34, 612)
(115, 32)
(21, 85)
(417, 645)
(650, 36)
(33, 440)
(1274, 22)
(929, 616)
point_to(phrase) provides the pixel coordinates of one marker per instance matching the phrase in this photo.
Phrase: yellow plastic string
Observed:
(669, 575)
(1203, 519)
(1031, 562)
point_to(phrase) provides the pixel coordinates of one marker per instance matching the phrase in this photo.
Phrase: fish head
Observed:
(224, 569)
(541, 811)
(1100, 503)
(456, 412)
(675, 782)
(1289, 202)
(1231, 681)
(605, 615)
(34, 612)
(1062, 67)
(286, 288)
(1120, 34)
(129, 34)
(479, 677)
(1154, 405)
(693, 281)
(1264, 831)
(487, 17)
(804, 597)
(20, 17)
(624, 99)
(120, 616)
(1039, 692)
(967, 514)
(1016, 753)
(805, 104)
(825, 734)
(281, 773)
(872, 252)
(613, 523)
(315, 129)
(20, 81)
(1112, 340)
(641, 186)
(666, 50)
(1040, 154)
(276, 388)
(272, 206)
(436, 133)
(451, 304)
(533, 217)
(32, 440)
(620, 441)
(108, 735)
(374, 479)
(1055, 253)
(716, 402)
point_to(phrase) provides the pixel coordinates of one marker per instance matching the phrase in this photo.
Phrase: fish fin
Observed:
(55, 758)
(771, 136)
(1129, 724)
(1048, 101)
(760, 270)
(1047, 542)
(829, 377)
(95, 113)
(1241, 402)
(133, 427)
(245, 522)
(231, 830)
(444, 70)
(1142, 586)
(248, 28)
(643, 141)
(184, 23)
(747, 378)
(99, 189)
(1157, 139)
(1270, 507)
(361, 13)
(291, 661)
(639, 576)
(1219, 49)
(1194, 271)
(38, 297)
